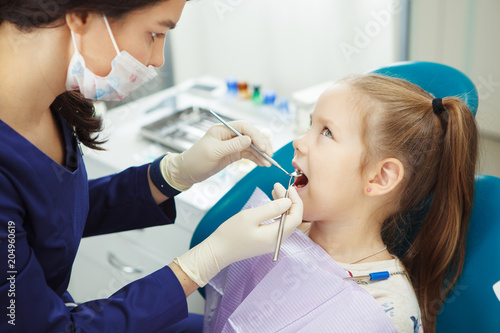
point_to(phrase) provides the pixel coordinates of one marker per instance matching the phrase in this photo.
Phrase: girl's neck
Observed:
(348, 243)
(33, 70)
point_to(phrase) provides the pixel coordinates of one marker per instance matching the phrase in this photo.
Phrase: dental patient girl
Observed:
(378, 146)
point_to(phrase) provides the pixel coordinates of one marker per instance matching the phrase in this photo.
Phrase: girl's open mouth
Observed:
(301, 180)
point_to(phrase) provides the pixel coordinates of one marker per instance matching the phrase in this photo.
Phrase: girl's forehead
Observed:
(340, 94)
(337, 101)
(164, 13)
(338, 107)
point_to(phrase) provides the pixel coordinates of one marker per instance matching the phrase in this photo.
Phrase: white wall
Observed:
(463, 34)
(286, 45)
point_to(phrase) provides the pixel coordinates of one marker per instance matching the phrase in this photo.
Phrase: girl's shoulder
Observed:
(395, 294)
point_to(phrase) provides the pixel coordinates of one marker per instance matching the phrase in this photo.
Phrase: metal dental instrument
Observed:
(273, 162)
(281, 226)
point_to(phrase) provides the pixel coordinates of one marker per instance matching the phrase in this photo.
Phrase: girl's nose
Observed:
(157, 57)
(300, 144)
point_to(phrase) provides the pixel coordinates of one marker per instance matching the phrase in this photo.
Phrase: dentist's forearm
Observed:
(187, 284)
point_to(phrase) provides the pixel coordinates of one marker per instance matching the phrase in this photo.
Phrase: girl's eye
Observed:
(157, 35)
(326, 132)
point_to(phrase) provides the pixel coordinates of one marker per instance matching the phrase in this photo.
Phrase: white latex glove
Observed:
(218, 148)
(241, 237)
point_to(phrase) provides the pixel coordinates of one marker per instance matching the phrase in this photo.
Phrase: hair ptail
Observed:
(437, 255)
(79, 112)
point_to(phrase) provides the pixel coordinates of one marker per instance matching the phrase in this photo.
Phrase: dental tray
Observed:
(179, 131)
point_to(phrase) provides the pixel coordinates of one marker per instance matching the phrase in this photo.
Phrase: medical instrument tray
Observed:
(179, 131)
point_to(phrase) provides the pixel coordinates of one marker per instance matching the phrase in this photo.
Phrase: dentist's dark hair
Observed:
(439, 155)
(28, 15)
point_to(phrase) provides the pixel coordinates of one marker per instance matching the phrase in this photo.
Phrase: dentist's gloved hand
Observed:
(241, 237)
(218, 148)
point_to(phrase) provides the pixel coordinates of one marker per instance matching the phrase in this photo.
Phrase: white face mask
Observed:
(127, 74)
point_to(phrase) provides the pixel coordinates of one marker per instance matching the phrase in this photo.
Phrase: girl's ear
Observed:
(80, 21)
(77, 21)
(386, 176)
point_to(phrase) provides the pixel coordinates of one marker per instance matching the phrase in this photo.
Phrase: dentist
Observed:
(55, 57)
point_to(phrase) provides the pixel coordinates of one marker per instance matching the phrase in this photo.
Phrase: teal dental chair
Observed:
(472, 305)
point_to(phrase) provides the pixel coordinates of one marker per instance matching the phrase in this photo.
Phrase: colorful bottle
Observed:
(243, 90)
(256, 94)
(232, 86)
(269, 97)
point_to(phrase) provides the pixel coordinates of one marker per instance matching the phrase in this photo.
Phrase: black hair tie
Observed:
(437, 106)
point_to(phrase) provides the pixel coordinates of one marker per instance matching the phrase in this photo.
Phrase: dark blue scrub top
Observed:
(45, 209)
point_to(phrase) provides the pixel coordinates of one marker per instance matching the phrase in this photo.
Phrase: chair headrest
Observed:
(437, 79)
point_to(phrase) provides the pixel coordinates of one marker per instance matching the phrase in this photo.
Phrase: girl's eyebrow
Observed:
(167, 23)
(327, 121)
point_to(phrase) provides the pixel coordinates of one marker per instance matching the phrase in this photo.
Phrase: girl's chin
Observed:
(307, 217)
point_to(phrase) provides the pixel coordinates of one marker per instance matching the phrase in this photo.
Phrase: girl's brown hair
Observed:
(439, 154)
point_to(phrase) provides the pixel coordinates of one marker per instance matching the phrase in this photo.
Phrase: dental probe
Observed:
(267, 157)
(281, 226)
